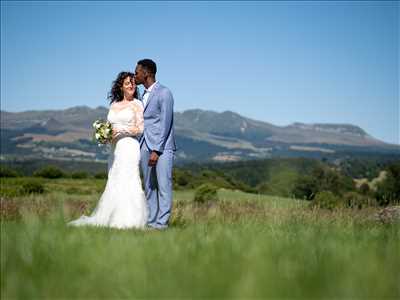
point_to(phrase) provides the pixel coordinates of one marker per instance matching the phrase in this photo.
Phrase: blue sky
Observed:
(279, 62)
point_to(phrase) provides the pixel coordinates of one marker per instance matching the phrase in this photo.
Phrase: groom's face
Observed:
(140, 74)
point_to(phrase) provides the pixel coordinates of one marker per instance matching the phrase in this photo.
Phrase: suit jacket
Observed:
(158, 114)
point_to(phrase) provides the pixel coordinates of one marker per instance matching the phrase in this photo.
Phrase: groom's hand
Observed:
(153, 158)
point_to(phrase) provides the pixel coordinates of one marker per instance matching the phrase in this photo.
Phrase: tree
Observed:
(49, 172)
(322, 179)
(365, 189)
(206, 193)
(326, 199)
(306, 187)
(388, 191)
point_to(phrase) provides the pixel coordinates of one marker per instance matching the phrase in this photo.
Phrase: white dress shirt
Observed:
(147, 94)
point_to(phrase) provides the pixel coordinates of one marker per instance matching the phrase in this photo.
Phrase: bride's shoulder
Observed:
(114, 105)
(137, 104)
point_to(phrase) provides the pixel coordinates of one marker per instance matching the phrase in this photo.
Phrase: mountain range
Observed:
(201, 135)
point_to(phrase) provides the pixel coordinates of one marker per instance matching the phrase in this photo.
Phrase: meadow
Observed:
(242, 246)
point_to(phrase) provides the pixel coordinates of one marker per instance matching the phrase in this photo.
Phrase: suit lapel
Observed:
(153, 91)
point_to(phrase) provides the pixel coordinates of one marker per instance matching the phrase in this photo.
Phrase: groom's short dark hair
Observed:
(149, 65)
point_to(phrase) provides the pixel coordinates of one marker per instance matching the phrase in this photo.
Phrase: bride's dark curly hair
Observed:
(116, 93)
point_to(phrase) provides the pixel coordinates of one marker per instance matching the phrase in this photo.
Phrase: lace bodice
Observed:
(127, 120)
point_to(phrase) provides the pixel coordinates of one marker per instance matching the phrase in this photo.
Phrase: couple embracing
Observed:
(143, 133)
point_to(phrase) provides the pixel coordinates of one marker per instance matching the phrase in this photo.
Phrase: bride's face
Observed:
(128, 86)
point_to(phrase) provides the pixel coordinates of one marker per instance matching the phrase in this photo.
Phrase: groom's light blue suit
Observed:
(158, 136)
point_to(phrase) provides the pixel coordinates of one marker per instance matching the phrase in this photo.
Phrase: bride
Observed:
(122, 204)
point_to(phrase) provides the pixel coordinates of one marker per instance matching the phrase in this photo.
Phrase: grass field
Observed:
(245, 246)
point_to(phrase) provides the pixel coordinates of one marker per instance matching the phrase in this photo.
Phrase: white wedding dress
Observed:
(123, 203)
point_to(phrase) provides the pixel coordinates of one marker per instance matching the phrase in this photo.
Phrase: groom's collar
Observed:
(148, 90)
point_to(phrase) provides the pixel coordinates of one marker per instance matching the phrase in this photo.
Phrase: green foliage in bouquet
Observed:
(102, 132)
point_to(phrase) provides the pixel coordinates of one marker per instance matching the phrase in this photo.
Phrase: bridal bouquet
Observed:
(102, 132)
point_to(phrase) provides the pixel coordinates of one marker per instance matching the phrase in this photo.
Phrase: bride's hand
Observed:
(115, 134)
(133, 130)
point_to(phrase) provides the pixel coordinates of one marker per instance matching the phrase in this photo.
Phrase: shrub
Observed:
(79, 175)
(325, 199)
(305, 188)
(31, 186)
(205, 193)
(100, 175)
(264, 188)
(49, 172)
(8, 172)
(388, 191)
(365, 189)
(181, 179)
(355, 200)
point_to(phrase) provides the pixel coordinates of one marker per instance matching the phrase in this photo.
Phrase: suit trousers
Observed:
(158, 186)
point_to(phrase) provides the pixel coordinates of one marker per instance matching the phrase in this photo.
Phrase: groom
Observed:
(157, 144)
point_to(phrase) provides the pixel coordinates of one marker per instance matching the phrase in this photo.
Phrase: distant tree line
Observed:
(368, 167)
(51, 172)
(321, 183)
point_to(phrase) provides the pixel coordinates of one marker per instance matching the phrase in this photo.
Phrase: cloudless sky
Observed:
(279, 62)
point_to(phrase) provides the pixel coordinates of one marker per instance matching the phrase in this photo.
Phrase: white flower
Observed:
(102, 131)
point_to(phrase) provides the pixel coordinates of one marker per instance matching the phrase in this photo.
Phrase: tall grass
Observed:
(244, 246)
